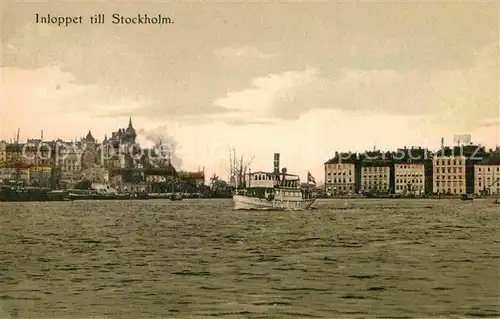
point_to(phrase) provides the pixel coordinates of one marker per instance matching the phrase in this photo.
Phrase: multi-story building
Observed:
(37, 153)
(409, 171)
(376, 172)
(119, 150)
(474, 154)
(340, 174)
(13, 153)
(70, 162)
(409, 178)
(487, 176)
(449, 172)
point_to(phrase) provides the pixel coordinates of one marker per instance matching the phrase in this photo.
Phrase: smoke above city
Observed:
(162, 143)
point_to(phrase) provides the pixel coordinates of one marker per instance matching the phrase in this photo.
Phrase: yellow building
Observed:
(449, 174)
(375, 178)
(340, 178)
(409, 178)
(340, 174)
(487, 176)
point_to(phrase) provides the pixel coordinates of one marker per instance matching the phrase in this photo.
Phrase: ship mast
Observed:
(18, 158)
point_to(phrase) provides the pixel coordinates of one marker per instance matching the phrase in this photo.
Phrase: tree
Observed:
(238, 168)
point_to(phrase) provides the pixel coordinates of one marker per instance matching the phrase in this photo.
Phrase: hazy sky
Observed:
(302, 79)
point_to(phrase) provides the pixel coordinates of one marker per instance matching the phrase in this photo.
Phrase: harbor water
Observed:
(198, 258)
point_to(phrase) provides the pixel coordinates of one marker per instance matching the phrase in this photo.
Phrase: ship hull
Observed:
(32, 196)
(242, 202)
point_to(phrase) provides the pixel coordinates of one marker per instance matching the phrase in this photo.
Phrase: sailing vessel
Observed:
(274, 191)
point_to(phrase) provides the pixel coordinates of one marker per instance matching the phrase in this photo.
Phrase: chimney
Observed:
(276, 163)
(442, 142)
(41, 136)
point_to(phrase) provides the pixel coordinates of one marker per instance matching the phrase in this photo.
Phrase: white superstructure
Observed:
(273, 191)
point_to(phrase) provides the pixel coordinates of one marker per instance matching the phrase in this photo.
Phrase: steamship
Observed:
(273, 191)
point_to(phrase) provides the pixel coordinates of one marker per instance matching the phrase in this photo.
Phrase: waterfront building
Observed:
(409, 170)
(70, 161)
(487, 176)
(376, 169)
(340, 174)
(474, 154)
(13, 153)
(37, 153)
(449, 172)
(409, 178)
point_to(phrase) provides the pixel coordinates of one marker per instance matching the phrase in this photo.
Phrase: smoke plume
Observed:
(162, 143)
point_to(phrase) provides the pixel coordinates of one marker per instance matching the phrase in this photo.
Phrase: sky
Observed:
(301, 79)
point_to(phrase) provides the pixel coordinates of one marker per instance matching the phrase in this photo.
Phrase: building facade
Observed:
(487, 176)
(449, 174)
(375, 171)
(340, 174)
(409, 178)
(375, 178)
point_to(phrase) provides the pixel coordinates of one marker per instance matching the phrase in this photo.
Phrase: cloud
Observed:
(256, 103)
(458, 98)
(157, 110)
(51, 89)
(289, 95)
(374, 91)
(242, 52)
(489, 123)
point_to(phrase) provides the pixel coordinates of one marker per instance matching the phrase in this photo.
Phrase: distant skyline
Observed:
(301, 79)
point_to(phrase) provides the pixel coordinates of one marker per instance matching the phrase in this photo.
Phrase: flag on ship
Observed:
(310, 178)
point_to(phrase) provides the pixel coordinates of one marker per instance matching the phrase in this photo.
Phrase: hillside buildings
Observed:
(116, 160)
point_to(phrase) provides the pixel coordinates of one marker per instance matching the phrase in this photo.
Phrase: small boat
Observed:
(467, 197)
(274, 191)
(139, 195)
(111, 196)
(176, 196)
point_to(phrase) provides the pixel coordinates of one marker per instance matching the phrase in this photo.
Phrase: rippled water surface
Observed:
(198, 258)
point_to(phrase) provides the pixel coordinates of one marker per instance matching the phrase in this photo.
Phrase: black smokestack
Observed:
(276, 163)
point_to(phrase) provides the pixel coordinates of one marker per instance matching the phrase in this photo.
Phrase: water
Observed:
(198, 258)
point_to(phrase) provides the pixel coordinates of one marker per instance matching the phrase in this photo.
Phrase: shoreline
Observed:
(388, 198)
